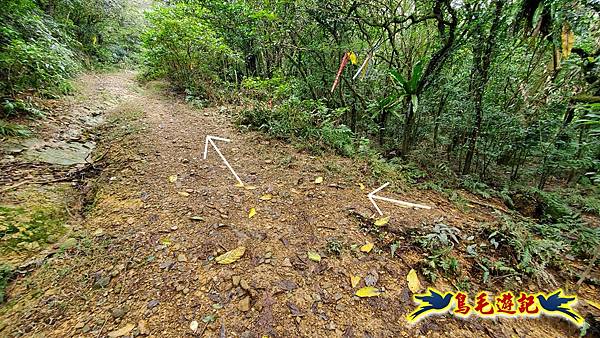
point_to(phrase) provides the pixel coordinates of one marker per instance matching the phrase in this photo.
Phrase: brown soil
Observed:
(141, 260)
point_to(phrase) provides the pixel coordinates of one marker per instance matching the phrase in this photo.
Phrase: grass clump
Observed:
(29, 229)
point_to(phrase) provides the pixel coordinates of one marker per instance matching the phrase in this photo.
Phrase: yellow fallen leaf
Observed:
(124, 331)
(249, 187)
(319, 180)
(239, 185)
(183, 193)
(252, 212)
(266, 197)
(361, 186)
(367, 247)
(368, 291)
(313, 256)
(413, 281)
(382, 221)
(354, 280)
(173, 178)
(231, 256)
(165, 241)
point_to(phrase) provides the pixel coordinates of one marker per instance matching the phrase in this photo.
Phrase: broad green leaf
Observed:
(400, 79)
(415, 102)
(416, 76)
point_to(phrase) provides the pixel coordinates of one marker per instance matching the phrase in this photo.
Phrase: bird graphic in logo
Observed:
(556, 304)
(431, 302)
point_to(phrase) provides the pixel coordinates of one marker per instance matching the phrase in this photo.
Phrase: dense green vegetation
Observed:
(44, 43)
(501, 98)
(506, 92)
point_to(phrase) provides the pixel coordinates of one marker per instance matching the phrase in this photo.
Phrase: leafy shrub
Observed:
(42, 42)
(261, 89)
(34, 53)
(11, 129)
(181, 46)
(308, 121)
(6, 273)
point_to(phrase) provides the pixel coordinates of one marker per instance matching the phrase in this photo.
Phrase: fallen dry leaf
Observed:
(413, 281)
(183, 193)
(319, 180)
(361, 186)
(231, 256)
(239, 185)
(143, 327)
(367, 247)
(124, 331)
(368, 291)
(382, 221)
(313, 256)
(173, 178)
(354, 280)
(252, 212)
(249, 187)
(194, 326)
(266, 197)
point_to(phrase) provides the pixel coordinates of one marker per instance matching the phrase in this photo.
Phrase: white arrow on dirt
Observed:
(210, 139)
(372, 197)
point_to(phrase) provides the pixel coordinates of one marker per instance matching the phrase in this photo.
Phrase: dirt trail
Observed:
(141, 263)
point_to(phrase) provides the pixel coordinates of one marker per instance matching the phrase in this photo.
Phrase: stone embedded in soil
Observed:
(182, 258)
(153, 303)
(286, 263)
(236, 280)
(143, 327)
(68, 244)
(118, 312)
(244, 304)
(102, 280)
(244, 284)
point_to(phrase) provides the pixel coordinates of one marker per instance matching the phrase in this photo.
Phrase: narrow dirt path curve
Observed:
(144, 259)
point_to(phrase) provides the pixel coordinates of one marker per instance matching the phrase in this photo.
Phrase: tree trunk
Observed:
(482, 59)
(407, 134)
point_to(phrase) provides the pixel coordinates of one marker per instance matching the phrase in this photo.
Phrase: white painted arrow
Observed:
(372, 197)
(209, 139)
